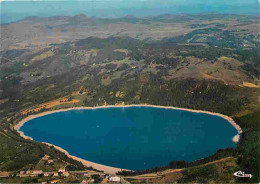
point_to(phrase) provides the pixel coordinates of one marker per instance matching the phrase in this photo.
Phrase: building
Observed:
(55, 174)
(84, 181)
(22, 172)
(62, 170)
(46, 157)
(86, 174)
(37, 172)
(46, 174)
(114, 179)
(66, 174)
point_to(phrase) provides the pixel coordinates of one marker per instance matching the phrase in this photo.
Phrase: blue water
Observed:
(134, 137)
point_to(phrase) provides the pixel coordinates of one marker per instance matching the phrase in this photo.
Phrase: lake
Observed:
(133, 138)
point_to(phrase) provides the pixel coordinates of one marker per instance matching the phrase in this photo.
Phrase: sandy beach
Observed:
(100, 167)
(108, 169)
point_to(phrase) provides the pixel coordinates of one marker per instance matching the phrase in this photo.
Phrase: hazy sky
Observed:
(18, 9)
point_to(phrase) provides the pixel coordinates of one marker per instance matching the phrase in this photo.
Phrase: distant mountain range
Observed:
(17, 10)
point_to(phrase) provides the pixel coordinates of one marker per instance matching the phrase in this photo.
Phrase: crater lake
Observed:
(134, 138)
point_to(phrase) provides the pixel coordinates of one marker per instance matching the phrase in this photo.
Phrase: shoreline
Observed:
(108, 169)
(86, 163)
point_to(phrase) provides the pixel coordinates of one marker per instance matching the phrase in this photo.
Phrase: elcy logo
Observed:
(242, 174)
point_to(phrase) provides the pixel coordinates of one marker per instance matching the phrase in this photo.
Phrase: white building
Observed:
(46, 174)
(62, 170)
(115, 179)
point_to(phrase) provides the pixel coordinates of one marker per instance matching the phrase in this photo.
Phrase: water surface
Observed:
(133, 137)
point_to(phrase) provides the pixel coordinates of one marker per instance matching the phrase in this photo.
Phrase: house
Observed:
(22, 172)
(37, 172)
(66, 174)
(55, 174)
(115, 179)
(46, 157)
(46, 174)
(62, 170)
(86, 174)
(84, 181)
